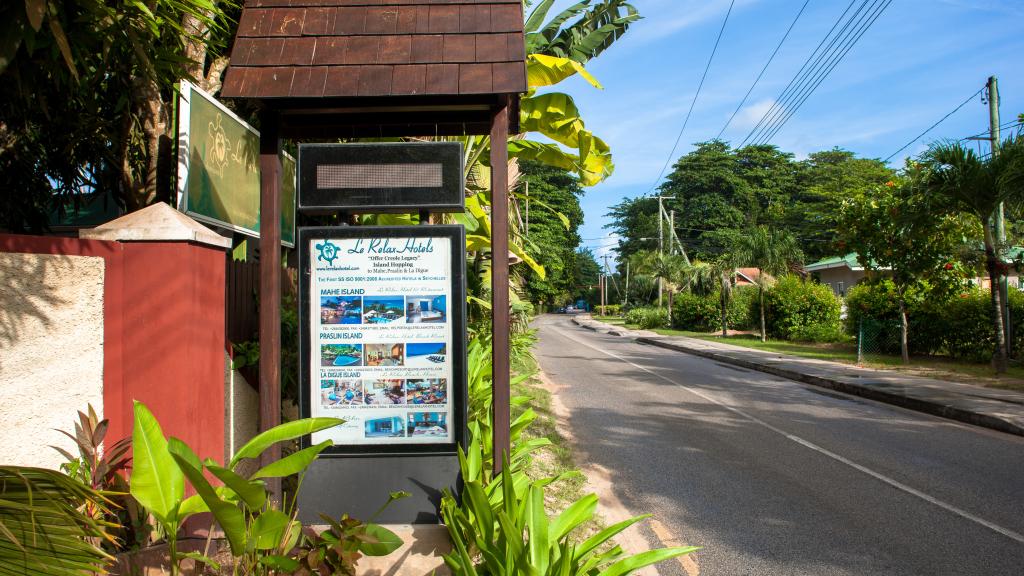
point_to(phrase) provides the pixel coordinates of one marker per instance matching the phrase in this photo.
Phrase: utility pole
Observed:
(661, 249)
(661, 238)
(993, 121)
(604, 285)
(625, 297)
(672, 231)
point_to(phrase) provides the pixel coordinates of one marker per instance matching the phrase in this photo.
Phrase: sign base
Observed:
(358, 486)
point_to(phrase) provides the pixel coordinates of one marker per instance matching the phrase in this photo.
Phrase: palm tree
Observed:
(700, 277)
(978, 186)
(665, 268)
(771, 251)
(704, 278)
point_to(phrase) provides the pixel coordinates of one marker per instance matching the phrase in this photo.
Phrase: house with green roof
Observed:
(840, 272)
(844, 272)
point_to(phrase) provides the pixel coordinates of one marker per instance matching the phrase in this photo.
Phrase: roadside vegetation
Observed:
(747, 220)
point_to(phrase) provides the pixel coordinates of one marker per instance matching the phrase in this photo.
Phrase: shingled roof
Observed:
(297, 49)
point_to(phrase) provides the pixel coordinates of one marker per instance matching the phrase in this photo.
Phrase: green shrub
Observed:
(648, 317)
(970, 336)
(611, 309)
(928, 324)
(824, 333)
(875, 300)
(696, 313)
(792, 304)
(968, 331)
(928, 317)
(743, 311)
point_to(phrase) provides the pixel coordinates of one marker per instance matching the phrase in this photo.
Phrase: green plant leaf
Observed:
(192, 505)
(293, 463)
(635, 562)
(544, 152)
(536, 18)
(35, 9)
(62, 44)
(176, 446)
(156, 482)
(544, 70)
(527, 259)
(280, 563)
(230, 518)
(605, 535)
(386, 541)
(281, 433)
(252, 492)
(200, 558)
(576, 514)
(538, 527)
(268, 530)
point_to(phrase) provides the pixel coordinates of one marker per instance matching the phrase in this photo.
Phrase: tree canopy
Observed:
(718, 192)
(86, 92)
(553, 236)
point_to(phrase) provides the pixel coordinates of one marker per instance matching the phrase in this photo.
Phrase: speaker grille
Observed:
(347, 176)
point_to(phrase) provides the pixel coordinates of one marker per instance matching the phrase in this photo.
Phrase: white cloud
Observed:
(751, 114)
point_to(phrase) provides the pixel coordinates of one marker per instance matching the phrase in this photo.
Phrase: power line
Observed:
(832, 60)
(836, 59)
(699, 86)
(918, 137)
(798, 73)
(805, 79)
(758, 79)
(985, 133)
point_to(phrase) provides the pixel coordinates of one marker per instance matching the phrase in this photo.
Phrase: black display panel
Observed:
(384, 177)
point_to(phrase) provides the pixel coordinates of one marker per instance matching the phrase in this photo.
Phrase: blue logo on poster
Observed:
(328, 252)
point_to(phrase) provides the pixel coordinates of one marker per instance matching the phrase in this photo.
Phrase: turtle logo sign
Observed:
(328, 252)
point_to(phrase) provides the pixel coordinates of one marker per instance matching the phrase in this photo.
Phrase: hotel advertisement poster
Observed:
(381, 335)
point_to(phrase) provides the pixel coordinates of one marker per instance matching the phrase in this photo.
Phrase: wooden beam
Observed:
(499, 283)
(270, 282)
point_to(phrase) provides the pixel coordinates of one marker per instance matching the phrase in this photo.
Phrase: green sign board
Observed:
(219, 168)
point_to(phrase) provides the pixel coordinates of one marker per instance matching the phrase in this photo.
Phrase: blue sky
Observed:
(918, 61)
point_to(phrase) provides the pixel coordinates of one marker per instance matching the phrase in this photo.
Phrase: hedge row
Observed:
(959, 326)
(794, 310)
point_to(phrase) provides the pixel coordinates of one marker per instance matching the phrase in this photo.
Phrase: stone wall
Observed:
(51, 352)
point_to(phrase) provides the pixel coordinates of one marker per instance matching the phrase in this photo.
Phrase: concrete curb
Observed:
(916, 403)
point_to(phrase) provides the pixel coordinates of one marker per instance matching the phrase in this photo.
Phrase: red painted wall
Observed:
(163, 333)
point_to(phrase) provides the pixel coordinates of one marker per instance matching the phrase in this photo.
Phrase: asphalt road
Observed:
(772, 476)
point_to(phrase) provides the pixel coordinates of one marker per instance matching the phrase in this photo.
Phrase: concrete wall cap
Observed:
(156, 223)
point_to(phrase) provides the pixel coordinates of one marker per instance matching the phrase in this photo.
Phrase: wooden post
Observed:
(270, 282)
(499, 283)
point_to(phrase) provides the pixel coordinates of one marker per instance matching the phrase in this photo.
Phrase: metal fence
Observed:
(877, 338)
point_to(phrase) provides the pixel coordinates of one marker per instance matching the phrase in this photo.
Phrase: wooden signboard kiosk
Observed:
(333, 69)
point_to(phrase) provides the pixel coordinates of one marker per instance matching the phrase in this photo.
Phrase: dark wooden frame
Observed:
(457, 319)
